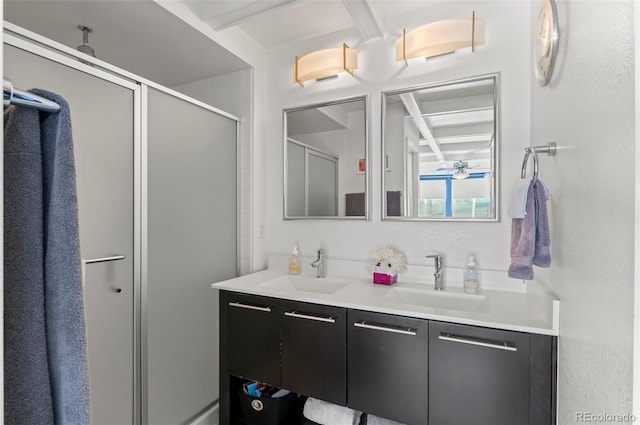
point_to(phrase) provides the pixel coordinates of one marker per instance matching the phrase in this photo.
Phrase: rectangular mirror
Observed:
(326, 161)
(439, 151)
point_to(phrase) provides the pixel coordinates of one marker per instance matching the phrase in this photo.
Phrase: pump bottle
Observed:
(471, 280)
(294, 261)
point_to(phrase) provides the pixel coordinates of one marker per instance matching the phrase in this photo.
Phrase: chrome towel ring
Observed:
(550, 149)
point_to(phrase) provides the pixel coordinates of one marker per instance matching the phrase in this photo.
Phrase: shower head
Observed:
(84, 47)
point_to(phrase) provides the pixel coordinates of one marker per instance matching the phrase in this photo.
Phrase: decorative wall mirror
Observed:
(439, 151)
(326, 161)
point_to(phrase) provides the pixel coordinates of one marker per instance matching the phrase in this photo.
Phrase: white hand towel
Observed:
(376, 420)
(518, 200)
(325, 413)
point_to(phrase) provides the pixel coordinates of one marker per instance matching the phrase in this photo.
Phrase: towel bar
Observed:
(11, 95)
(550, 149)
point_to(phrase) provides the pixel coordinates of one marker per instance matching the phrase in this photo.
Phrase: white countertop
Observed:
(533, 309)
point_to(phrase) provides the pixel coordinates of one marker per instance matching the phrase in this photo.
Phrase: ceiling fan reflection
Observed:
(458, 170)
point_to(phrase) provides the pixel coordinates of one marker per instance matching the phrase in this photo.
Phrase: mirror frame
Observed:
(494, 191)
(367, 156)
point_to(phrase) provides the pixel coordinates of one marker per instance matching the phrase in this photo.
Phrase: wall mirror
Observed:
(325, 160)
(439, 151)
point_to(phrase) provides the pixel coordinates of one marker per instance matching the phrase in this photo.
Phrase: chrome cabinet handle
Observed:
(250, 307)
(463, 340)
(366, 325)
(309, 317)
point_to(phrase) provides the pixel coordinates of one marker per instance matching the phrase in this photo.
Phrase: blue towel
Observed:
(66, 334)
(60, 264)
(27, 389)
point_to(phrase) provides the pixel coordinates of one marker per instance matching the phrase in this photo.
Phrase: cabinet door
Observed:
(253, 337)
(388, 362)
(314, 360)
(477, 376)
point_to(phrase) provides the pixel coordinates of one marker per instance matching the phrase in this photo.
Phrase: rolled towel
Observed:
(376, 420)
(325, 413)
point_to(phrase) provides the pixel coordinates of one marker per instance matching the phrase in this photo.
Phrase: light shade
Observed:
(325, 63)
(460, 174)
(439, 38)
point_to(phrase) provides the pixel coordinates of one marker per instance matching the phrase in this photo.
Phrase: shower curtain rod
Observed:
(14, 96)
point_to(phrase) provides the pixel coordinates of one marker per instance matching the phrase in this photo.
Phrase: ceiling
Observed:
(137, 35)
(143, 37)
(273, 23)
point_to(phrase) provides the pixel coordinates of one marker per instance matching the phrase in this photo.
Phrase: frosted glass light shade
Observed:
(325, 63)
(439, 38)
(460, 174)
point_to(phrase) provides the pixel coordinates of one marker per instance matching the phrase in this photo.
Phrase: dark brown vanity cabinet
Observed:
(293, 345)
(480, 376)
(314, 359)
(413, 371)
(388, 360)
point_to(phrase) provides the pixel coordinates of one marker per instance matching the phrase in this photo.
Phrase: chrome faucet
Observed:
(319, 264)
(439, 279)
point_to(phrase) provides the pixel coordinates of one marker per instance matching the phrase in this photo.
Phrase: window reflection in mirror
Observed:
(440, 150)
(325, 160)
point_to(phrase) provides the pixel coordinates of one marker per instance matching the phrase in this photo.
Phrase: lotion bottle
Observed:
(294, 261)
(471, 280)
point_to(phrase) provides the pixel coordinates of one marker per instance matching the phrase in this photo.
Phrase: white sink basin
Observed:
(306, 284)
(427, 297)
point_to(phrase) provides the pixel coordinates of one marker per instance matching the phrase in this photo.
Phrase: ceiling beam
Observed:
(363, 17)
(412, 108)
(244, 11)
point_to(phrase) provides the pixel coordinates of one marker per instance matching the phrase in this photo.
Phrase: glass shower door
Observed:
(192, 242)
(102, 115)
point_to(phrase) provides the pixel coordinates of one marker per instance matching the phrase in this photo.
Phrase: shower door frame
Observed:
(34, 43)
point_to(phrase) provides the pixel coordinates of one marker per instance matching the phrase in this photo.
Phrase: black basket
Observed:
(266, 410)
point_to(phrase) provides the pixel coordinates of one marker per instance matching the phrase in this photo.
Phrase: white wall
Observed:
(588, 108)
(506, 51)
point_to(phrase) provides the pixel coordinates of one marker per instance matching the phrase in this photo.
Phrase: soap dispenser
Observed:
(294, 261)
(471, 280)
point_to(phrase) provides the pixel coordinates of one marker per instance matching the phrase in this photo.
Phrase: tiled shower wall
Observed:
(233, 93)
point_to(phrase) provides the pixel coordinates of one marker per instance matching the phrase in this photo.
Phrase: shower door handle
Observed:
(106, 260)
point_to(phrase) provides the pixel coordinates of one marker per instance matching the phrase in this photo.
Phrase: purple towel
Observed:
(542, 255)
(530, 238)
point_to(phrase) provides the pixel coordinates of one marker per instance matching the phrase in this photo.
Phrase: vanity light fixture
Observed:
(325, 64)
(440, 38)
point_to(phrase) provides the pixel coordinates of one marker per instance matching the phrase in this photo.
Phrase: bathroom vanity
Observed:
(404, 352)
